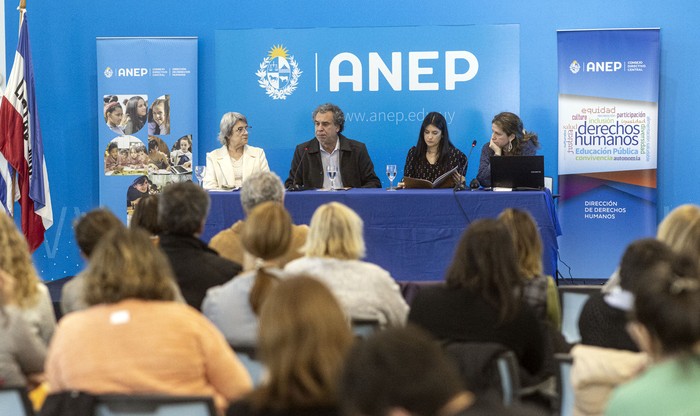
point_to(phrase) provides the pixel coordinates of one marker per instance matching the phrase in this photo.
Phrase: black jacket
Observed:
(356, 167)
(196, 266)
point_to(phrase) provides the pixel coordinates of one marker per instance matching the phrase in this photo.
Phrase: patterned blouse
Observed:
(418, 167)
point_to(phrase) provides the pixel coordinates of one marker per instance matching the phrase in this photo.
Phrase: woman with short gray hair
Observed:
(229, 165)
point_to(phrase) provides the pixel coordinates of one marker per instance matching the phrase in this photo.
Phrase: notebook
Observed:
(517, 172)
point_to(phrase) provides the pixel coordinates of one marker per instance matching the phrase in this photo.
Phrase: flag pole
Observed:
(22, 9)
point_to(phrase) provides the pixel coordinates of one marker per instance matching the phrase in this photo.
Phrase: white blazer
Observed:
(219, 172)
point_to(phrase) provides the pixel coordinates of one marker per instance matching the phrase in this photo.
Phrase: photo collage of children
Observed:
(162, 160)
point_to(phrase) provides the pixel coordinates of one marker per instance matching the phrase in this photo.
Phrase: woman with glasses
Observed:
(229, 165)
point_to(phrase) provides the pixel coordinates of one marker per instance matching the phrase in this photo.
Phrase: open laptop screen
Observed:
(517, 172)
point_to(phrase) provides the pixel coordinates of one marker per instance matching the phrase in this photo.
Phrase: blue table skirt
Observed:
(411, 232)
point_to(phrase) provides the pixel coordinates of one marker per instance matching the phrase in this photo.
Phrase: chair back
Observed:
(572, 300)
(362, 328)
(154, 405)
(565, 390)
(14, 401)
(487, 369)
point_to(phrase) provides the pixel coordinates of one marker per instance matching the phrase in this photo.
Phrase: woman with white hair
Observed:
(333, 249)
(229, 165)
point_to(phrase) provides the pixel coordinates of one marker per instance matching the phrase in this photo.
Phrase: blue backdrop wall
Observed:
(63, 42)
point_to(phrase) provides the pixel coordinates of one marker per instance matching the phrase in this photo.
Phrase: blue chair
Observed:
(362, 328)
(487, 369)
(153, 405)
(565, 391)
(14, 401)
(572, 300)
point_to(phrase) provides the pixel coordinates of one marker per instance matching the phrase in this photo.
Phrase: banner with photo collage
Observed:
(147, 103)
(608, 127)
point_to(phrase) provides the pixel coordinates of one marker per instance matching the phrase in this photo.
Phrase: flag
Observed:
(7, 175)
(21, 144)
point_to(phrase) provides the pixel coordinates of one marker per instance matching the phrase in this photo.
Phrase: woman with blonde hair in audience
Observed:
(30, 295)
(333, 249)
(134, 338)
(22, 353)
(234, 306)
(666, 325)
(303, 340)
(539, 291)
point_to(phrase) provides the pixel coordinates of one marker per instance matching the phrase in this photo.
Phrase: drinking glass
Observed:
(199, 172)
(391, 173)
(332, 173)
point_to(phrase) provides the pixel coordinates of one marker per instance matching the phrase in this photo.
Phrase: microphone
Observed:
(460, 186)
(295, 186)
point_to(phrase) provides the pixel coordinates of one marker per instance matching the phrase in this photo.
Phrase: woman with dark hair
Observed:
(136, 114)
(481, 300)
(666, 325)
(508, 138)
(302, 339)
(434, 154)
(146, 216)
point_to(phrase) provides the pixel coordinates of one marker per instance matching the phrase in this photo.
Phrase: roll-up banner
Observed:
(608, 126)
(147, 105)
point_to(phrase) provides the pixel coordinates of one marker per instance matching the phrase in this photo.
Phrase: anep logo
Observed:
(574, 67)
(279, 73)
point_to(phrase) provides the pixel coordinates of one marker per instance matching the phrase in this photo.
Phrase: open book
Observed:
(443, 181)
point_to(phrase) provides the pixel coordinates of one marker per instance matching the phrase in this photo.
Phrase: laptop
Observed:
(517, 172)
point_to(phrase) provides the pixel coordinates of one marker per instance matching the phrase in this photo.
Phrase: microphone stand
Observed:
(294, 187)
(462, 185)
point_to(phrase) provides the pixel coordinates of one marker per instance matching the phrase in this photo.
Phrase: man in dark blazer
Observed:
(330, 148)
(182, 211)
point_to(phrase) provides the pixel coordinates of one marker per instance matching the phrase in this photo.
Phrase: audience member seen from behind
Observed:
(330, 148)
(133, 338)
(539, 291)
(136, 114)
(145, 216)
(88, 229)
(231, 164)
(22, 352)
(607, 356)
(30, 295)
(234, 306)
(434, 154)
(182, 212)
(403, 372)
(508, 138)
(159, 116)
(113, 114)
(603, 318)
(680, 230)
(481, 300)
(258, 188)
(666, 326)
(303, 340)
(333, 251)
